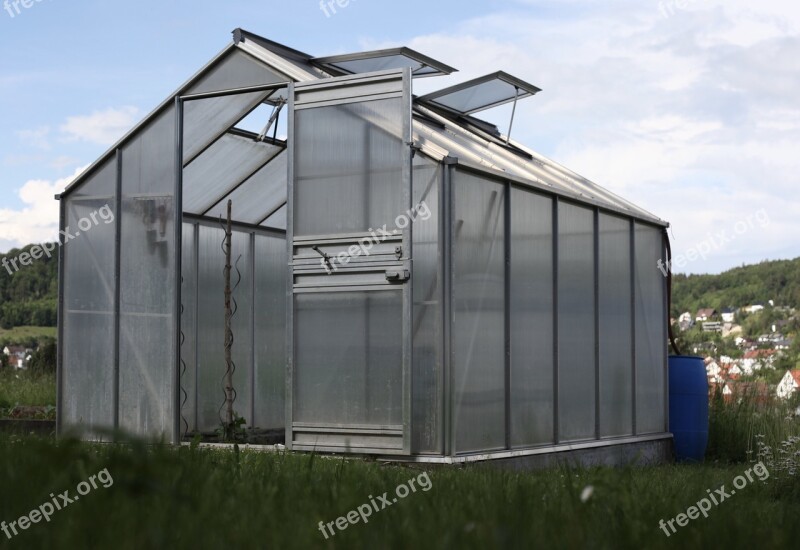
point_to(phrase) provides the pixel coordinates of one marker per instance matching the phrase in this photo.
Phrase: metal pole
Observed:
(513, 113)
(228, 332)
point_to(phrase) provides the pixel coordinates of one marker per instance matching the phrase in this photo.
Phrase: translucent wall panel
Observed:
(348, 170)
(427, 390)
(616, 360)
(350, 346)
(576, 336)
(532, 334)
(651, 344)
(189, 292)
(147, 325)
(479, 304)
(211, 327)
(89, 289)
(270, 332)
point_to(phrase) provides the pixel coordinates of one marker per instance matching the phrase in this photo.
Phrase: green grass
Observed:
(199, 498)
(20, 335)
(21, 388)
(737, 428)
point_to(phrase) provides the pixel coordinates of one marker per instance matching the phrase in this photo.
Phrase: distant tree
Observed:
(43, 360)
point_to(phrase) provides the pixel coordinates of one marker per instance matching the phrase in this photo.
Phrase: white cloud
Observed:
(101, 127)
(694, 116)
(36, 138)
(37, 220)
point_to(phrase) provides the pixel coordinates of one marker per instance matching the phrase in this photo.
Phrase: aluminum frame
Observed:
(438, 68)
(528, 90)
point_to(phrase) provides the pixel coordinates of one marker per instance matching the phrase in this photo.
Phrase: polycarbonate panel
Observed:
(651, 344)
(478, 97)
(348, 169)
(188, 330)
(211, 327)
(427, 377)
(259, 195)
(479, 304)
(270, 329)
(148, 324)
(384, 60)
(89, 288)
(616, 361)
(278, 220)
(482, 93)
(576, 335)
(237, 70)
(220, 169)
(348, 358)
(532, 333)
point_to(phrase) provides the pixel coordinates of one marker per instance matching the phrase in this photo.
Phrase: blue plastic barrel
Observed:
(688, 407)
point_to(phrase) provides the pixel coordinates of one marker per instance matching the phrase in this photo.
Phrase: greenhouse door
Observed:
(350, 221)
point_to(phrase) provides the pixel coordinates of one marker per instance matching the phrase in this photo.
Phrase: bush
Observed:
(43, 360)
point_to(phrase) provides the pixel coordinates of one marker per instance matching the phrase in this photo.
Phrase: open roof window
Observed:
(482, 93)
(381, 60)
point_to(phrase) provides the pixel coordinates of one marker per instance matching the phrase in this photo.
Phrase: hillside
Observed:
(28, 297)
(778, 281)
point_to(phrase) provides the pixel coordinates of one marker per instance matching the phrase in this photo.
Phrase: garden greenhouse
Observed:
(409, 282)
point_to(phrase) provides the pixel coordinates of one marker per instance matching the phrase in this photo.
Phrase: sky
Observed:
(688, 108)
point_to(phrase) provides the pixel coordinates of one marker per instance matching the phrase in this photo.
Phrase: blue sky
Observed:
(689, 108)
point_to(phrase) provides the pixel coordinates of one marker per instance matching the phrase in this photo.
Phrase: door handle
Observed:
(398, 275)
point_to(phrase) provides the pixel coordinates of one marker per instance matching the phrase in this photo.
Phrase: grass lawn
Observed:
(21, 388)
(200, 498)
(24, 334)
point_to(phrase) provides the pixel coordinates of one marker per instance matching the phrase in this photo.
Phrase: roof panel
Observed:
(221, 168)
(259, 196)
(278, 219)
(381, 60)
(482, 93)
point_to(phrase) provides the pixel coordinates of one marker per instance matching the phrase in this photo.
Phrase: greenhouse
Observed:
(408, 282)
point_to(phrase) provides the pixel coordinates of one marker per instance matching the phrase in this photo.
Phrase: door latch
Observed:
(398, 276)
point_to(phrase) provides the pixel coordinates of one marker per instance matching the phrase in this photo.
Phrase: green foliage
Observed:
(43, 360)
(28, 296)
(192, 497)
(29, 337)
(778, 281)
(26, 389)
(736, 426)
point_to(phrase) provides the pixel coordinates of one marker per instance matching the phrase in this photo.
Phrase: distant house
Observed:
(685, 321)
(712, 326)
(754, 308)
(18, 356)
(712, 368)
(705, 348)
(705, 314)
(728, 315)
(783, 344)
(788, 384)
(743, 342)
(757, 359)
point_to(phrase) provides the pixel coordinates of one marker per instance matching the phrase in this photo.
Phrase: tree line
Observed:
(28, 296)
